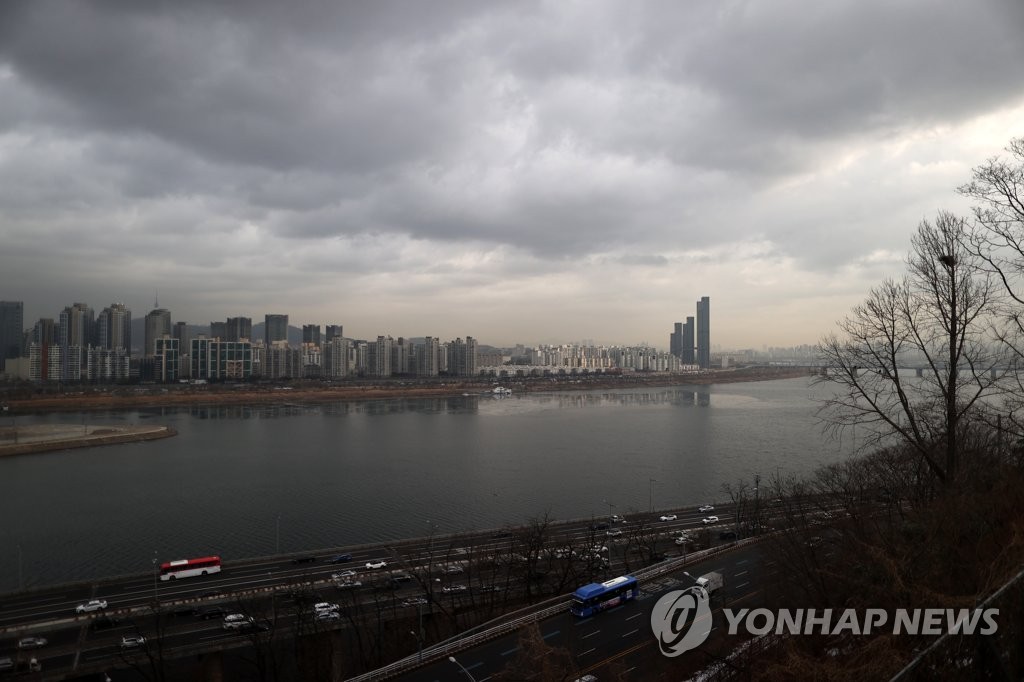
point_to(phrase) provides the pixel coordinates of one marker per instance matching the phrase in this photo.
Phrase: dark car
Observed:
(599, 526)
(341, 559)
(185, 611)
(501, 535)
(304, 559)
(103, 623)
(212, 612)
(727, 535)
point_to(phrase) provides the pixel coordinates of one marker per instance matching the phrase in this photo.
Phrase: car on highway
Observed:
(682, 540)
(415, 601)
(379, 563)
(599, 526)
(103, 623)
(453, 589)
(236, 621)
(348, 584)
(668, 517)
(31, 642)
(211, 594)
(326, 615)
(727, 535)
(341, 559)
(325, 606)
(613, 532)
(706, 508)
(91, 605)
(454, 569)
(618, 519)
(132, 641)
(308, 559)
(212, 612)
(709, 519)
(344, 575)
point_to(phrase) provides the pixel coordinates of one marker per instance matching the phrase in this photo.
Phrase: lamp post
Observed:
(610, 507)
(452, 659)
(419, 640)
(21, 580)
(277, 536)
(156, 589)
(950, 262)
(650, 494)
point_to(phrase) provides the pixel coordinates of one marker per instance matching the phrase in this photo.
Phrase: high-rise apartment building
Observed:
(275, 328)
(168, 359)
(12, 314)
(704, 332)
(333, 332)
(426, 356)
(184, 337)
(158, 323)
(215, 359)
(687, 347)
(238, 329)
(675, 341)
(75, 333)
(311, 334)
(462, 357)
(378, 357)
(114, 327)
(219, 330)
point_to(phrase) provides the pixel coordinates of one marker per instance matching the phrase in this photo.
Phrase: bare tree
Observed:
(997, 240)
(941, 319)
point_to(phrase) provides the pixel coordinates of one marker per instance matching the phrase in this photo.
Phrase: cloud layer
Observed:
(519, 172)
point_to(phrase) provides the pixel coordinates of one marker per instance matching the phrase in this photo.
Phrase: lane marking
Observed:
(737, 575)
(510, 651)
(742, 561)
(475, 665)
(588, 651)
(636, 615)
(552, 634)
(742, 585)
(595, 632)
(631, 632)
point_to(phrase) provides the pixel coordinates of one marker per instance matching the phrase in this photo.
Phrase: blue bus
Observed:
(597, 597)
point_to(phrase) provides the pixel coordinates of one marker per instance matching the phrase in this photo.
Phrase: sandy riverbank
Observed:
(35, 438)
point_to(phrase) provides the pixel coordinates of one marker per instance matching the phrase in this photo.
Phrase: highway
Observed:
(278, 591)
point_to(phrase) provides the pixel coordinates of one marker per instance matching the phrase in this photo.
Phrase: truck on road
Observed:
(711, 582)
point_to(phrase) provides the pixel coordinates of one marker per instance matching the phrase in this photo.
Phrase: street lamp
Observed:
(650, 494)
(419, 640)
(156, 574)
(277, 535)
(452, 659)
(21, 580)
(610, 507)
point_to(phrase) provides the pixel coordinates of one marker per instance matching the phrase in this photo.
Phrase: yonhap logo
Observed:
(681, 620)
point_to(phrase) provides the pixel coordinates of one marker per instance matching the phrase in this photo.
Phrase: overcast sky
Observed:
(519, 172)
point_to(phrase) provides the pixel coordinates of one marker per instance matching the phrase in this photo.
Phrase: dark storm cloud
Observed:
(335, 138)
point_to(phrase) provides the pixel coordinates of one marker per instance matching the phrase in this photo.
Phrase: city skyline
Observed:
(524, 171)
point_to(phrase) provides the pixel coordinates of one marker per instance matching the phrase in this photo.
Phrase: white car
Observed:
(613, 533)
(348, 584)
(668, 517)
(706, 508)
(344, 575)
(91, 605)
(452, 589)
(618, 519)
(132, 642)
(327, 615)
(325, 606)
(682, 540)
(235, 621)
(379, 563)
(709, 519)
(31, 642)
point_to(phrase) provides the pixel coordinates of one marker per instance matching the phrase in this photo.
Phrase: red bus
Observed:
(186, 568)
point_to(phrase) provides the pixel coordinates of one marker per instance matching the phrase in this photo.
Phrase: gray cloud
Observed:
(464, 145)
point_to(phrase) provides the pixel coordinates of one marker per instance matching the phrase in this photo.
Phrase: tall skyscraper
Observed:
(184, 337)
(311, 334)
(219, 330)
(687, 343)
(275, 328)
(704, 332)
(158, 323)
(75, 333)
(675, 341)
(12, 314)
(114, 328)
(333, 332)
(239, 329)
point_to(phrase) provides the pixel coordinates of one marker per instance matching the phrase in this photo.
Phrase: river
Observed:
(239, 481)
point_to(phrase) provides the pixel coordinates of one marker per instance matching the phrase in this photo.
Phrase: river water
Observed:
(236, 481)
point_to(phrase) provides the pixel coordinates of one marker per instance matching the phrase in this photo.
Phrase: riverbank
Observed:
(121, 398)
(36, 438)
